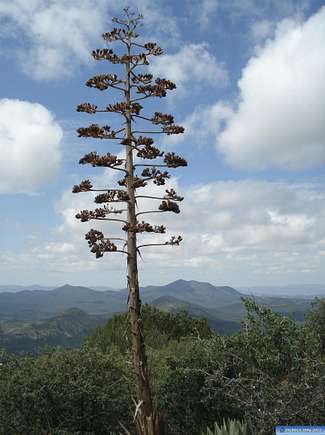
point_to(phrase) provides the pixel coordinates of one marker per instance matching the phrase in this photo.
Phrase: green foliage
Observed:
(159, 329)
(271, 372)
(230, 427)
(73, 391)
(315, 322)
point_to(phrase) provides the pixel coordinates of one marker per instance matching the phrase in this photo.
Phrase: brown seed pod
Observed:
(84, 186)
(153, 49)
(103, 81)
(87, 107)
(171, 194)
(150, 152)
(97, 132)
(173, 129)
(112, 196)
(174, 161)
(107, 160)
(162, 118)
(142, 227)
(169, 206)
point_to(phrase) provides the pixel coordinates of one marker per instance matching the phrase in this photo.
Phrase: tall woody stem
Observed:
(145, 419)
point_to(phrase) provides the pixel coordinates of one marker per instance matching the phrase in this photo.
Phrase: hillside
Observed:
(30, 305)
(174, 305)
(67, 329)
(194, 292)
(32, 319)
(222, 303)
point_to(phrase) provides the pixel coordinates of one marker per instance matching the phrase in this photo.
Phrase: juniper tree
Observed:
(138, 170)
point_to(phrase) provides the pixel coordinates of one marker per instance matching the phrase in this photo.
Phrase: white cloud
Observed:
(280, 117)
(250, 227)
(235, 232)
(261, 30)
(29, 146)
(205, 11)
(205, 122)
(59, 35)
(193, 64)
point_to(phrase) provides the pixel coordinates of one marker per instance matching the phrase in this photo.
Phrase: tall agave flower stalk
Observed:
(134, 86)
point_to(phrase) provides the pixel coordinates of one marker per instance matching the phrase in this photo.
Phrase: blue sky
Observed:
(251, 93)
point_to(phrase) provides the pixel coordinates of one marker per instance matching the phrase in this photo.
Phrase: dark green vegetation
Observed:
(68, 329)
(271, 372)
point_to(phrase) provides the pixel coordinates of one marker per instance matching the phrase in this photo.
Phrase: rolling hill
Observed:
(39, 305)
(174, 305)
(68, 329)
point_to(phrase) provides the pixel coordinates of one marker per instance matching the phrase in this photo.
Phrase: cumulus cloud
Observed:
(252, 228)
(29, 145)
(191, 65)
(261, 30)
(204, 123)
(253, 231)
(58, 35)
(279, 121)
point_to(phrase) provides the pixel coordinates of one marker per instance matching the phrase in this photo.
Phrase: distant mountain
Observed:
(102, 288)
(194, 292)
(31, 319)
(292, 291)
(224, 302)
(19, 288)
(174, 305)
(68, 329)
(39, 305)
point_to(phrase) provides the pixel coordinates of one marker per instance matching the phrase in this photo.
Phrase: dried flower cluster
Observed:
(162, 118)
(159, 89)
(174, 161)
(83, 186)
(108, 160)
(97, 132)
(174, 240)
(99, 244)
(103, 82)
(156, 175)
(123, 107)
(169, 206)
(153, 49)
(98, 213)
(112, 196)
(141, 227)
(149, 152)
(87, 107)
(171, 194)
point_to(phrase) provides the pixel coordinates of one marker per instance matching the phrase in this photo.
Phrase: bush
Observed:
(159, 329)
(273, 373)
(72, 391)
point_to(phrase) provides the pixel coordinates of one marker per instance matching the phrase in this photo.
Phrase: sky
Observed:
(250, 78)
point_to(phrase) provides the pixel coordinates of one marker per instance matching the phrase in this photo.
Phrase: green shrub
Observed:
(159, 329)
(76, 391)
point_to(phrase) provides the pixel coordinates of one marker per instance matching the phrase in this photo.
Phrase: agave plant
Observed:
(230, 427)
